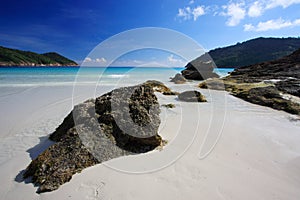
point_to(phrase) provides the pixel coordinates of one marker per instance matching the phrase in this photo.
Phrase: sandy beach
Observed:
(223, 149)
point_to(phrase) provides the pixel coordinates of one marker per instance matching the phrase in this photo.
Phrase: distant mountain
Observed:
(253, 51)
(14, 57)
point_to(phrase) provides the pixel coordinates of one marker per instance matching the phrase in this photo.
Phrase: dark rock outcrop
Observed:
(275, 84)
(191, 96)
(290, 86)
(281, 69)
(199, 70)
(178, 79)
(122, 122)
(269, 96)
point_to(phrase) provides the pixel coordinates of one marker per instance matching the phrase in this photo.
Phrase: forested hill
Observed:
(253, 51)
(14, 57)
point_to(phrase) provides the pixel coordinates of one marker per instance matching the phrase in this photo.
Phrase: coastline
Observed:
(254, 154)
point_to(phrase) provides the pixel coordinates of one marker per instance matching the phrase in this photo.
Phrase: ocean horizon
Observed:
(60, 76)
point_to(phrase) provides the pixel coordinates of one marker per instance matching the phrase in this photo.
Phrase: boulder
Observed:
(160, 87)
(213, 84)
(199, 70)
(122, 122)
(191, 96)
(178, 79)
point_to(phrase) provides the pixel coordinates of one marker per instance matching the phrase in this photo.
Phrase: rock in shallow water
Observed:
(122, 122)
(199, 70)
(178, 79)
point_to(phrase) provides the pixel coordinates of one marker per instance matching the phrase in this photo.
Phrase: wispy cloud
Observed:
(188, 13)
(94, 61)
(271, 25)
(282, 3)
(191, 2)
(236, 12)
(256, 9)
(175, 61)
(169, 61)
(25, 42)
(197, 12)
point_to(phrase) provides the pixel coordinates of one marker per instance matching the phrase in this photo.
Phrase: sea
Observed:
(60, 76)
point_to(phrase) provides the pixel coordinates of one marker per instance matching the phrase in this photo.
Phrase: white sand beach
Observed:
(220, 150)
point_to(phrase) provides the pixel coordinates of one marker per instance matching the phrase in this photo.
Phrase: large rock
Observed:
(199, 70)
(122, 122)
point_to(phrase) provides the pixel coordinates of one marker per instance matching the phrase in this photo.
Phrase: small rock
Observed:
(213, 84)
(160, 87)
(178, 79)
(191, 96)
(169, 105)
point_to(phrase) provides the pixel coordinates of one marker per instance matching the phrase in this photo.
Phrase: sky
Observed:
(73, 28)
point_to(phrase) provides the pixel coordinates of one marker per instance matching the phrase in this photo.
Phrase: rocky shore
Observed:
(122, 122)
(275, 84)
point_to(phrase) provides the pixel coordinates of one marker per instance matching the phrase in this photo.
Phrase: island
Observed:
(18, 58)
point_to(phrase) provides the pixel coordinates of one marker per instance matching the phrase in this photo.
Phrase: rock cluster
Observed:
(122, 122)
(268, 84)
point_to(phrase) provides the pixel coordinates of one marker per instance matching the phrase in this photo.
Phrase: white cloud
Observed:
(297, 22)
(189, 13)
(256, 9)
(87, 59)
(197, 12)
(94, 62)
(101, 60)
(235, 12)
(174, 61)
(171, 58)
(249, 27)
(282, 3)
(184, 13)
(271, 25)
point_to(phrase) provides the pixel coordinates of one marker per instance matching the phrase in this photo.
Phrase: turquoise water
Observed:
(37, 76)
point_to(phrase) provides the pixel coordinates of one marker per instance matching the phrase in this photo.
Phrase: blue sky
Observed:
(73, 28)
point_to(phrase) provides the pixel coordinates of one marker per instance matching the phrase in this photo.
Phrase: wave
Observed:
(118, 76)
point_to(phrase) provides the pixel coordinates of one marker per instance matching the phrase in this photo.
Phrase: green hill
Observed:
(14, 57)
(253, 51)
